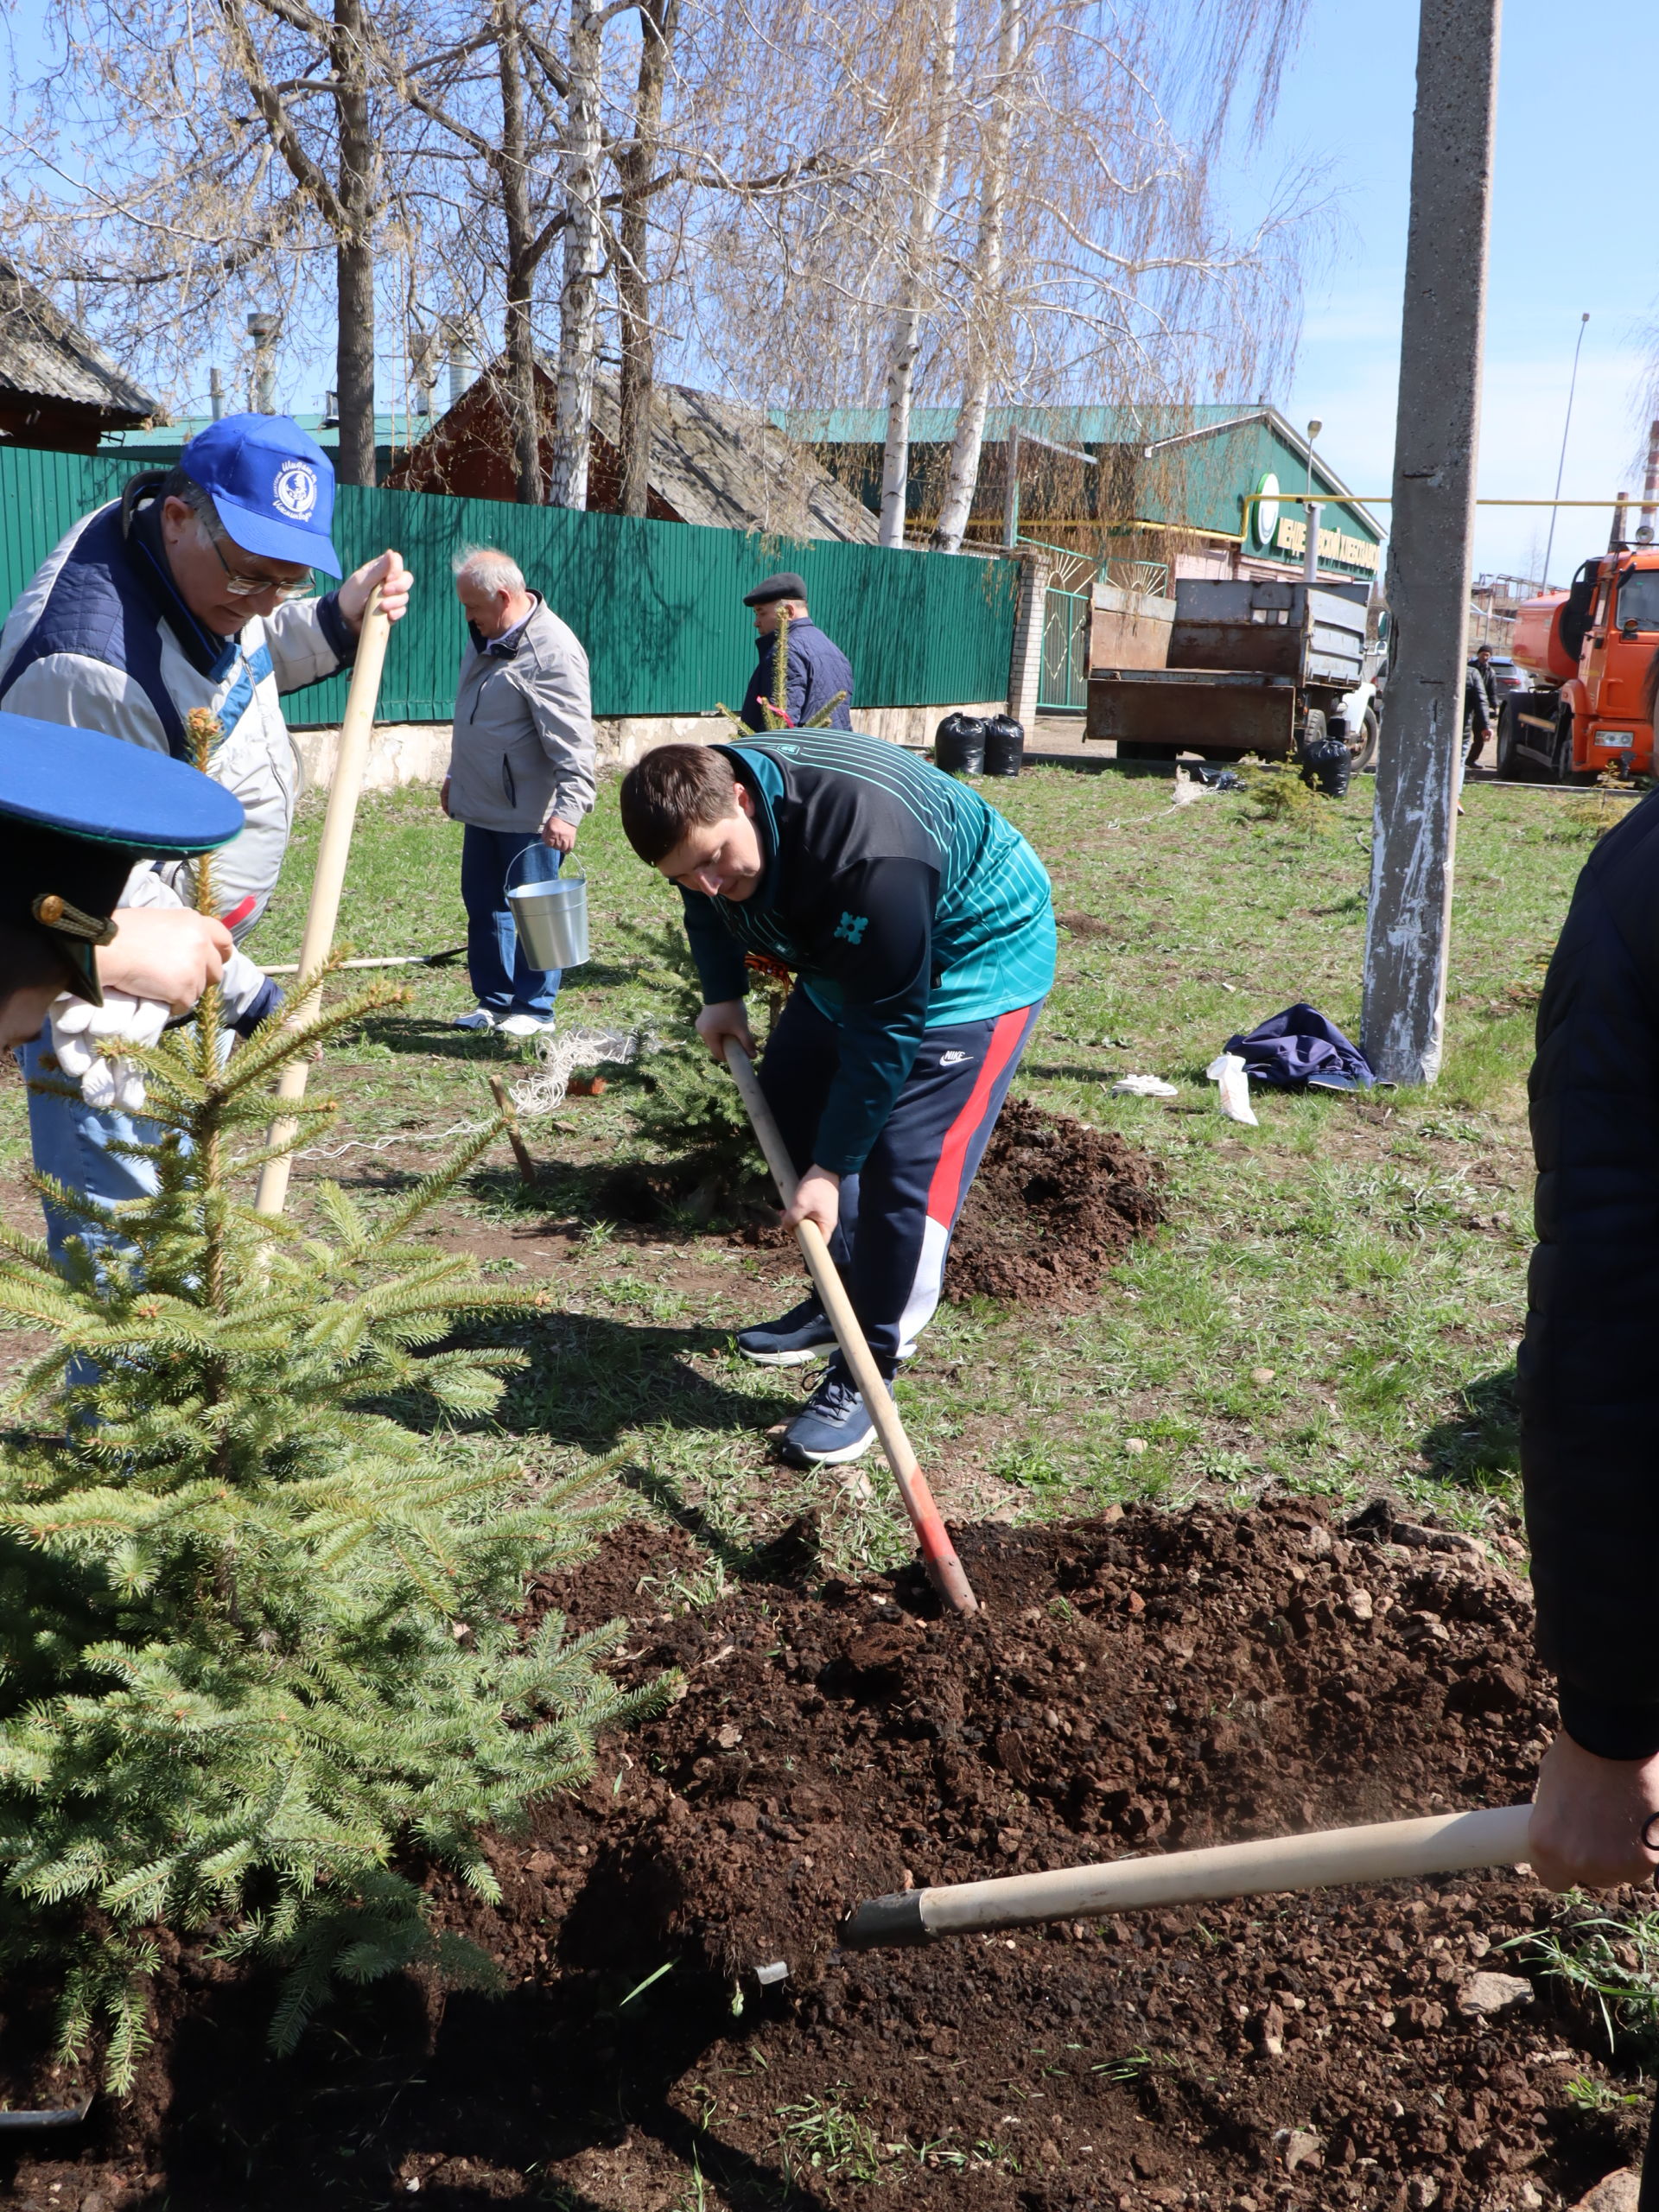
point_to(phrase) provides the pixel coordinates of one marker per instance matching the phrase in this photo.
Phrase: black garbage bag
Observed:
(1327, 765)
(959, 746)
(1005, 746)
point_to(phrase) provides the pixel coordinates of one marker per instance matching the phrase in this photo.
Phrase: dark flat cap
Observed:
(785, 585)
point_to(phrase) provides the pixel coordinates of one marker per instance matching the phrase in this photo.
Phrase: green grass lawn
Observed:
(1332, 1307)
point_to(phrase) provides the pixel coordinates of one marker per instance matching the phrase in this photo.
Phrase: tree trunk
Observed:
(512, 169)
(906, 342)
(579, 296)
(983, 316)
(659, 21)
(354, 250)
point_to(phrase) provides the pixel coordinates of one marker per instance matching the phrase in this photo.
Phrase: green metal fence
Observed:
(659, 605)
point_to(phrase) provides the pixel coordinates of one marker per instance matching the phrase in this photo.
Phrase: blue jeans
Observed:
(71, 1142)
(502, 978)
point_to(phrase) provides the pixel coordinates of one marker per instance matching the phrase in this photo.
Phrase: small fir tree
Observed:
(690, 1105)
(258, 1642)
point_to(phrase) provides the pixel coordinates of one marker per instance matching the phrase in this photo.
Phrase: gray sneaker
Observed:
(802, 1334)
(480, 1018)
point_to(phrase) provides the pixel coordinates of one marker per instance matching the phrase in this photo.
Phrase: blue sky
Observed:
(1566, 237)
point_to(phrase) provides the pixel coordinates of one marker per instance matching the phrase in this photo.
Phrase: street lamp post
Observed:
(1312, 509)
(1572, 386)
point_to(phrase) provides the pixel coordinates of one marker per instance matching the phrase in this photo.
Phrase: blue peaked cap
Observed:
(77, 809)
(110, 792)
(272, 486)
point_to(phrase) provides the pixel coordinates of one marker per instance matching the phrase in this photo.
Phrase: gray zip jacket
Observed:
(522, 747)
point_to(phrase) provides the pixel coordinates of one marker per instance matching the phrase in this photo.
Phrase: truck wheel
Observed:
(1511, 765)
(1362, 746)
(1563, 766)
(1313, 729)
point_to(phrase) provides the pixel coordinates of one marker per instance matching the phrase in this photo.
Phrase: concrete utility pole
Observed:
(1436, 442)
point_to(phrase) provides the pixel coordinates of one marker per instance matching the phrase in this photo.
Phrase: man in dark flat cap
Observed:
(817, 667)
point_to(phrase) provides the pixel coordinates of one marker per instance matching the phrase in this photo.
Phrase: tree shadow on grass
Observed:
(790, 1556)
(1479, 1448)
(591, 1380)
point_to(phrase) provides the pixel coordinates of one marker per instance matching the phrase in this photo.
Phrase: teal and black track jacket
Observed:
(905, 902)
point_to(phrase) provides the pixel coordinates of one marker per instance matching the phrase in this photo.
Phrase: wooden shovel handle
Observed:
(1389, 1850)
(939, 1554)
(329, 877)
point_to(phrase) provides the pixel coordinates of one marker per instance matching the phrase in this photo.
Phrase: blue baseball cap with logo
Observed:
(272, 486)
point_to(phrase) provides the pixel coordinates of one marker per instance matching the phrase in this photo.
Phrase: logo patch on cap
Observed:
(296, 489)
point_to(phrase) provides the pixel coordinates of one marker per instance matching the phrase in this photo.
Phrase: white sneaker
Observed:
(480, 1018)
(525, 1024)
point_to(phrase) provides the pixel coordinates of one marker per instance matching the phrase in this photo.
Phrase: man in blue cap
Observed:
(77, 811)
(192, 589)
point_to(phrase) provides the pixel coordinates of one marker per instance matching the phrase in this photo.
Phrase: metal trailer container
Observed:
(1254, 668)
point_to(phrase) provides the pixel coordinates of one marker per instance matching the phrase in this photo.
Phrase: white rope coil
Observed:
(542, 1092)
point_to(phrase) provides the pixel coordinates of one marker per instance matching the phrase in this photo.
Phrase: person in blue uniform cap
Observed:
(78, 811)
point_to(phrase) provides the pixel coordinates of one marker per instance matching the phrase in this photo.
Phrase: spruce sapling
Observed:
(258, 1650)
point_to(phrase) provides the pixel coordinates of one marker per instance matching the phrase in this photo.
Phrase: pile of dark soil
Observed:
(1142, 1681)
(1053, 1205)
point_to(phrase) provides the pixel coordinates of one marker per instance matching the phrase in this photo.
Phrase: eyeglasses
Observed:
(250, 587)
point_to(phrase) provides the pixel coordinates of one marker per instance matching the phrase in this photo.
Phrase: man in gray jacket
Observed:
(521, 776)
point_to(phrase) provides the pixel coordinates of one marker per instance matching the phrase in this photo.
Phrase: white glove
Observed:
(82, 1035)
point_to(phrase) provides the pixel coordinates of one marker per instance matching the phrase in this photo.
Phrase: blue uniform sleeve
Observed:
(719, 956)
(876, 941)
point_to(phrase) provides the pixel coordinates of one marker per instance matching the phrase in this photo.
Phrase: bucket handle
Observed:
(537, 845)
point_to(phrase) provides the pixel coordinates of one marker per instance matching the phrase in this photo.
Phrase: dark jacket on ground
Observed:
(1589, 1366)
(817, 670)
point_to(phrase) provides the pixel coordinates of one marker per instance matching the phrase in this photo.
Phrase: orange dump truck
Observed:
(1589, 652)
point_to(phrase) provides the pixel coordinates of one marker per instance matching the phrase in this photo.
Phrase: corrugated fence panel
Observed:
(657, 605)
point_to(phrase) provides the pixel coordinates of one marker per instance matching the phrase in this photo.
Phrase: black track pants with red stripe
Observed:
(897, 1213)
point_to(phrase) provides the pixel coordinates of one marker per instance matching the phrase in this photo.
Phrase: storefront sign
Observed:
(1264, 510)
(1291, 537)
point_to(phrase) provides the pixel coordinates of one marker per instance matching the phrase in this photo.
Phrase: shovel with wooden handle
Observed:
(356, 727)
(1390, 1851)
(944, 1569)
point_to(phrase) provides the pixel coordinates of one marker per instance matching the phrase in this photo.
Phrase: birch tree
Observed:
(983, 313)
(916, 278)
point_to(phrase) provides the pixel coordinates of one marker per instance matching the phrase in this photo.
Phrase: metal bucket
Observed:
(549, 913)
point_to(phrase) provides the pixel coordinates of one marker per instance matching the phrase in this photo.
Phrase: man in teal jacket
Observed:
(922, 928)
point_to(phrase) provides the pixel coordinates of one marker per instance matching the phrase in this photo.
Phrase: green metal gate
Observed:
(1063, 682)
